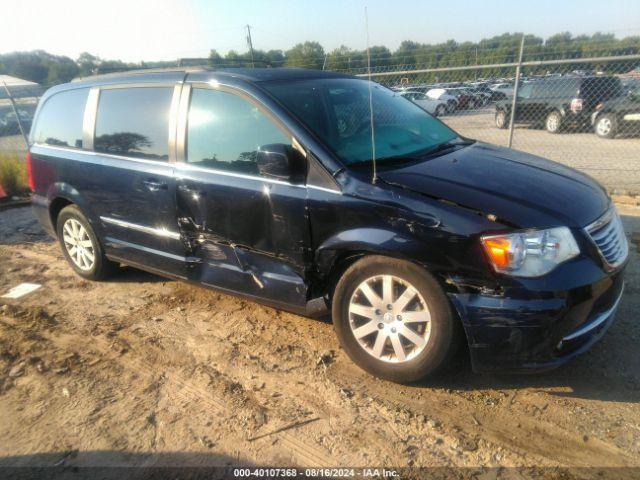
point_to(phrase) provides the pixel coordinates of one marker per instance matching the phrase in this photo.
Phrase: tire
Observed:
(440, 110)
(553, 122)
(381, 347)
(451, 106)
(72, 228)
(501, 119)
(606, 125)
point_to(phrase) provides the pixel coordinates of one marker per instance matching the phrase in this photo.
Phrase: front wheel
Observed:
(80, 245)
(440, 110)
(393, 319)
(606, 126)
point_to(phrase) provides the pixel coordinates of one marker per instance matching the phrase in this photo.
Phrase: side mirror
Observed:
(280, 162)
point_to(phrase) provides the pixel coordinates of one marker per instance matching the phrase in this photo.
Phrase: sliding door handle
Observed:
(154, 185)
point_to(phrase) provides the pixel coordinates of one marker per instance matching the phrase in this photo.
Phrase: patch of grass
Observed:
(13, 174)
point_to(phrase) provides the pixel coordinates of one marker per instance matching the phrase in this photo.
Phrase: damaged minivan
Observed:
(325, 194)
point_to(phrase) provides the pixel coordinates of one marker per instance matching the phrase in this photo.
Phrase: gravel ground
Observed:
(148, 372)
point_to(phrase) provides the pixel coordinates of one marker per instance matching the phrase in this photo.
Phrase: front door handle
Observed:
(192, 191)
(154, 185)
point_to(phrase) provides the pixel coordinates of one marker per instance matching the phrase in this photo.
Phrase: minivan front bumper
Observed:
(507, 333)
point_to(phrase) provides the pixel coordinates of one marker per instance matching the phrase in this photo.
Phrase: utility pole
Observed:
(250, 44)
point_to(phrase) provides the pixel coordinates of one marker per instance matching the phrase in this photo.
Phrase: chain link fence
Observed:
(18, 102)
(582, 112)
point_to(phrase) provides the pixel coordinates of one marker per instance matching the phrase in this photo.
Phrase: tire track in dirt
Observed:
(536, 441)
(543, 442)
(188, 390)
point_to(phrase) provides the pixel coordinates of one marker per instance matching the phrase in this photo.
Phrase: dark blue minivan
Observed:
(262, 183)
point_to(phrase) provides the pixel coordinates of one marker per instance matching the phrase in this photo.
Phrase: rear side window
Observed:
(60, 119)
(225, 131)
(134, 122)
(565, 88)
(601, 89)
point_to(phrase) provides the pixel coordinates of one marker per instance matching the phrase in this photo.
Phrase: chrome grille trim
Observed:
(607, 234)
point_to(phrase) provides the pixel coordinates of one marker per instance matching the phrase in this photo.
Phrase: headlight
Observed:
(530, 253)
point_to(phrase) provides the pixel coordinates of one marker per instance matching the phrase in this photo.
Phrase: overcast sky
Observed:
(134, 30)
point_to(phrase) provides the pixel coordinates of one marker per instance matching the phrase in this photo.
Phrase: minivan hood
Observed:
(520, 189)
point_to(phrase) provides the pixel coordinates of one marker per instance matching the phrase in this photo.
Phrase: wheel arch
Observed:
(335, 255)
(62, 194)
(56, 206)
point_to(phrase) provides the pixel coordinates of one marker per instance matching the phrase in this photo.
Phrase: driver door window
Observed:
(226, 131)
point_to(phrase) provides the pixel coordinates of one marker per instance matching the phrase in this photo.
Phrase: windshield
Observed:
(337, 110)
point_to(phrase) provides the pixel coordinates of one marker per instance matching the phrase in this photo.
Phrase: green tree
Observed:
(87, 63)
(62, 72)
(305, 55)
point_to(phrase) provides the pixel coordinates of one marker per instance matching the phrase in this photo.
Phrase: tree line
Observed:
(45, 68)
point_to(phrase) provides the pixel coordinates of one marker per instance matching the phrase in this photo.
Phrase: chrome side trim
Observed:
(191, 167)
(146, 249)
(597, 321)
(158, 232)
(184, 166)
(323, 189)
(98, 154)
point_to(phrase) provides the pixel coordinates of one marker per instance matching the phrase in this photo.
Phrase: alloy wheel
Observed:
(78, 244)
(389, 318)
(552, 123)
(604, 126)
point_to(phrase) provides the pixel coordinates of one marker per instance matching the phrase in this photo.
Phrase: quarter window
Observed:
(226, 131)
(134, 122)
(60, 120)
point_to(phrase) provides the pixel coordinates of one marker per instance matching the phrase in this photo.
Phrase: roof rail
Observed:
(141, 71)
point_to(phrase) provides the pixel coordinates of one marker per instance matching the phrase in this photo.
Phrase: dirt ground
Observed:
(144, 371)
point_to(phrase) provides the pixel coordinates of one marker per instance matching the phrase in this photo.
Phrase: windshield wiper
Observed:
(392, 160)
(413, 157)
(432, 151)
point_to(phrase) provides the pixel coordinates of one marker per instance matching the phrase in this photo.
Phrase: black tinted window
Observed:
(226, 131)
(134, 122)
(60, 119)
(561, 87)
(601, 88)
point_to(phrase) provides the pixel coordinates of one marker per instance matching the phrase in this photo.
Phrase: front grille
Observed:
(608, 235)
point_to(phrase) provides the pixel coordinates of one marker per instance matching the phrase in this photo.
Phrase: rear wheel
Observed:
(606, 126)
(501, 119)
(553, 122)
(80, 246)
(393, 319)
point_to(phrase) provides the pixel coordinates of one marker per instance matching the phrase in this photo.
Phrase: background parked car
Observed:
(442, 94)
(466, 99)
(559, 102)
(621, 114)
(503, 89)
(484, 89)
(436, 107)
(9, 122)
